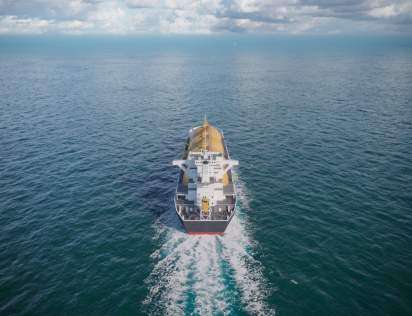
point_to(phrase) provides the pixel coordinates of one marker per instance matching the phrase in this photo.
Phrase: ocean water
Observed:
(322, 128)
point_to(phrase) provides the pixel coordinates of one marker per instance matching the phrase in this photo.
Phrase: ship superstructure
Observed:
(205, 197)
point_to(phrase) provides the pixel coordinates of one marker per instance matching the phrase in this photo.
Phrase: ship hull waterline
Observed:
(209, 227)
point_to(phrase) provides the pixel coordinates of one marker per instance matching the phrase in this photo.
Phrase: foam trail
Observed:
(238, 249)
(189, 275)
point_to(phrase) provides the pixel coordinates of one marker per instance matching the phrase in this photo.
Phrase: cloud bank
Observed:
(131, 17)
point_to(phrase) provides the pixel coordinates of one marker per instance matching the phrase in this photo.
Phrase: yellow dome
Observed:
(208, 138)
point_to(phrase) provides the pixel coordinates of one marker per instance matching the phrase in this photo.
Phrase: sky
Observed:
(133, 17)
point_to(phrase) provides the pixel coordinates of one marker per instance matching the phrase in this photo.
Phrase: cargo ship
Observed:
(205, 198)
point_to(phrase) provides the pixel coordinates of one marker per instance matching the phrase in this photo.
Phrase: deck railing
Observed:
(189, 211)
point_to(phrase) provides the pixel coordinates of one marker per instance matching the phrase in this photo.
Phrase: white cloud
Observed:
(204, 16)
(400, 9)
(110, 18)
(13, 25)
(74, 27)
(383, 12)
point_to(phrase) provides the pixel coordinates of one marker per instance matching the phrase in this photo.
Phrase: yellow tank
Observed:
(206, 137)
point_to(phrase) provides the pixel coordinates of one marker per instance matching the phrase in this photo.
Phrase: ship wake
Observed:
(206, 274)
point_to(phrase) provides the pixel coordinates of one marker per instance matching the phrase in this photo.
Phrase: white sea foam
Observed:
(189, 271)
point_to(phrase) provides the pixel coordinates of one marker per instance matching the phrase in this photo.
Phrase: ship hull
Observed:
(205, 227)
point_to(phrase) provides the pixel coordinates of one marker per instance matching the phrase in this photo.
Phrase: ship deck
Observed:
(227, 189)
(189, 211)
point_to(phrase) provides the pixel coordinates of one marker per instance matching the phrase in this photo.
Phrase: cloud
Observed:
(205, 16)
(13, 25)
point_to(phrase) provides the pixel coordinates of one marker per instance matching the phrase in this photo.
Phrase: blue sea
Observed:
(321, 126)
